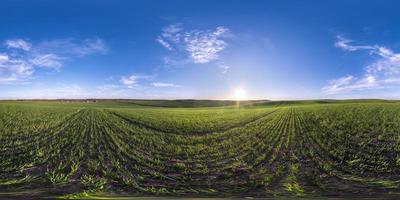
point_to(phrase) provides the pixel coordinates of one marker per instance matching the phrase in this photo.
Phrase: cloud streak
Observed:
(345, 44)
(160, 84)
(383, 72)
(135, 81)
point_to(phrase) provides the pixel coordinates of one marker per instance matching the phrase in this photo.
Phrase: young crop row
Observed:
(352, 148)
(192, 121)
(300, 150)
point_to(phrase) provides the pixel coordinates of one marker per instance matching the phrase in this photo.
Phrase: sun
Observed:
(240, 94)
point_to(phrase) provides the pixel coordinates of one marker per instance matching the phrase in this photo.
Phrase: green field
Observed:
(199, 148)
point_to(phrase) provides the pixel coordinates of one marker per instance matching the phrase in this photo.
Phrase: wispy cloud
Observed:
(346, 44)
(350, 83)
(107, 87)
(160, 84)
(14, 70)
(383, 72)
(225, 68)
(72, 47)
(47, 60)
(19, 61)
(136, 81)
(200, 46)
(18, 44)
(137, 86)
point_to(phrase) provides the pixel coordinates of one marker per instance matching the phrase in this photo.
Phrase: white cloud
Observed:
(14, 70)
(160, 84)
(136, 82)
(338, 85)
(173, 32)
(204, 47)
(350, 83)
(47, 60)
(132, 80)
(19, 65)
(73, 47)
(92, 46)
(129, 81)
(3, 58)
(201, 46)
(107, 87)
(164, 43)
(225, 68)
(18, 44)
(344, 43)
(111, 91)
(383, 72)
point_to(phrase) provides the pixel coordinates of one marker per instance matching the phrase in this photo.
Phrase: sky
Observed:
(187, 49)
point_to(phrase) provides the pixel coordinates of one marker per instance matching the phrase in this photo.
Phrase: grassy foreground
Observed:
(199, 149)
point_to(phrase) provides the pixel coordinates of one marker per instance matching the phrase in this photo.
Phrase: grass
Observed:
(102, 149)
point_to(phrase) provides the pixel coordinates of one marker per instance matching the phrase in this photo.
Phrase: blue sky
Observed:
(199, 49)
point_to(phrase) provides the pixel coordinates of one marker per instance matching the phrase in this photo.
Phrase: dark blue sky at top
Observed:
(271, 49)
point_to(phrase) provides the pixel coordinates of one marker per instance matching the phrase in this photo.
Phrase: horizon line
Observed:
(187, 99)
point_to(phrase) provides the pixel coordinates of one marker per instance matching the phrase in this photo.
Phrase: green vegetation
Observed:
(82, 149)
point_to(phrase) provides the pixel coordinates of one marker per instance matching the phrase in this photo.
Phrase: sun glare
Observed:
(240, 94)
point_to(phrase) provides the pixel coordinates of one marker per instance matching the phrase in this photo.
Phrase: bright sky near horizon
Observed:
(204, 49)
